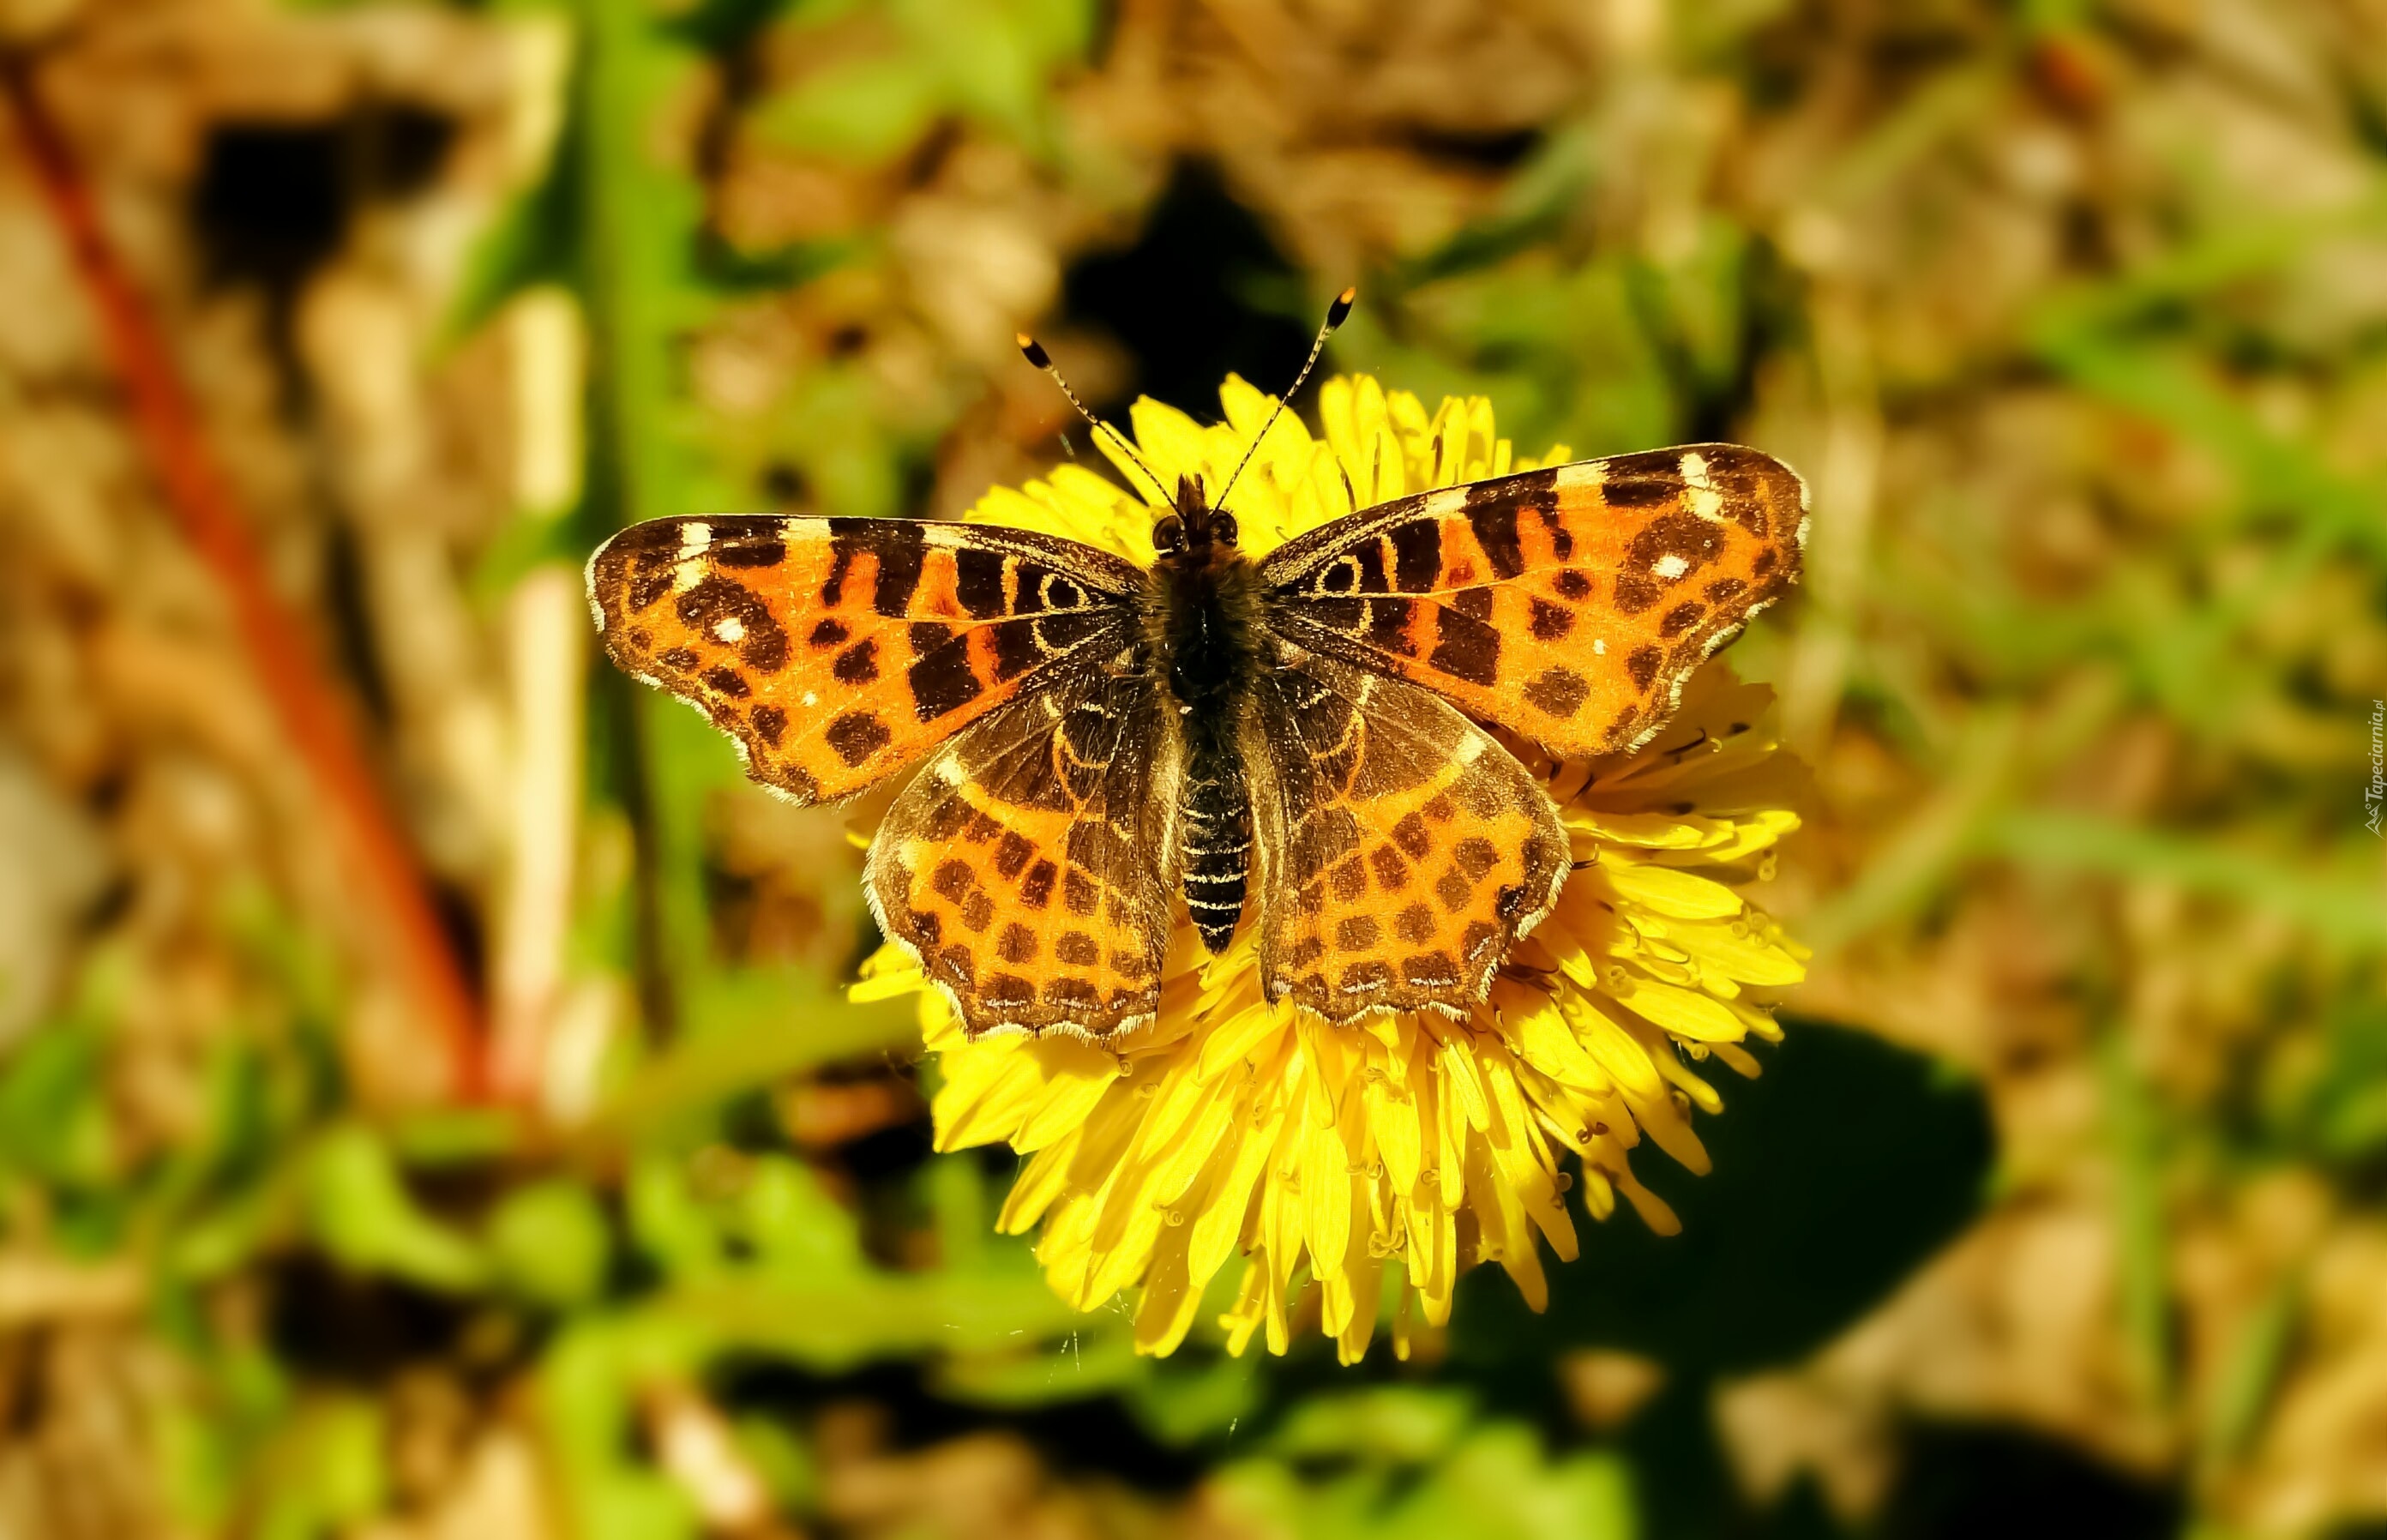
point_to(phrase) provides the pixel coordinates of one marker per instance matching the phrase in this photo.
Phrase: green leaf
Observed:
(746, 1029)
(1399, 1463)
(864, 113)
(670, 1227)
(531, 241)
(1408, 1423)
(54, 1122)
(360, 1211)
(2341, 908)
(550, 1242)
(2131, 1136)
(325, 1473)
(797, 1229)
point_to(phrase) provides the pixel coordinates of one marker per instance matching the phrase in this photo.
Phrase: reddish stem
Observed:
(209, 517)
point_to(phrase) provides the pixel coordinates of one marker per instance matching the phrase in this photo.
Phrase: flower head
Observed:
(1345, 1163)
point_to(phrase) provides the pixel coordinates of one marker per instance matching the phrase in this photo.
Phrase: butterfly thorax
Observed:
(1203, 631)
(1205, 606)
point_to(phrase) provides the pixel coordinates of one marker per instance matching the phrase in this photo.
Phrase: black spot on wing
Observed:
(1534, 492)
(856, 736)
(842, 544)
(1465, 647)
(1371, 557)
(941, 682)
(1546, 508)
(1417, 555)
(1691, 541)
(715, 598)
(1389, 626)
(1642, 492)
(857, 665)
(751, 553)
(1346, 617)
(901, 553)
(1059, 632)
(648, 587)
(1559, 691)
(1015, 647)
(977, 581)
(1492, 514)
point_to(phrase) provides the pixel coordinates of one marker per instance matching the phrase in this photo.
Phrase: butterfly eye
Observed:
(1168, 533)
(1222, 529)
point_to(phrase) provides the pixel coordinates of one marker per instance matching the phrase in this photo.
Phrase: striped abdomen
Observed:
(1217, 832)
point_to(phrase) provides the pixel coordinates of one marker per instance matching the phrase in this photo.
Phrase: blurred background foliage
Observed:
(2063, 1200)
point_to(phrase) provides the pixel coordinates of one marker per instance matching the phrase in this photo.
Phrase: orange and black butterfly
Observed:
(1102, 739)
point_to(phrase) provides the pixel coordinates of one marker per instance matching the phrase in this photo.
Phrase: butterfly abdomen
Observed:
(1204, 628)
(1217, 838)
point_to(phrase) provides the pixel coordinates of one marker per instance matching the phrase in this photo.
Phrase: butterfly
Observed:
(1300, 737)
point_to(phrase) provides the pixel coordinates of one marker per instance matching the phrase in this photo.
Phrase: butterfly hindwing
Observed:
(837, 651)
(1027, 867)
(1567, 604)
(1402, 850)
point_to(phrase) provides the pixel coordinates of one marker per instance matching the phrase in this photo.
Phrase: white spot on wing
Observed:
(694, 536)
(1670, 566)
(1695, 470)
(729, 628)
(1600, 646)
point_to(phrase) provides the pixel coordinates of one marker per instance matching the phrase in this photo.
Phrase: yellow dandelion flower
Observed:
(1413, 1145)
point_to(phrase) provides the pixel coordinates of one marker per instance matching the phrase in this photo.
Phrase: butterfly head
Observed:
(1192, 528)
(1192, 531)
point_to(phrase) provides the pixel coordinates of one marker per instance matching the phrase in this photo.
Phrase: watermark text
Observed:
(2374, 796)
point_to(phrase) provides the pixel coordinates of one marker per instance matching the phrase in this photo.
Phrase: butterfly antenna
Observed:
(1335, 315)
(1034, 352)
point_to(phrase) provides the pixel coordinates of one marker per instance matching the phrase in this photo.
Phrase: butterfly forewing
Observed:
(837, 651)
(1567, 604)
(1402, 851)
(1027, 864)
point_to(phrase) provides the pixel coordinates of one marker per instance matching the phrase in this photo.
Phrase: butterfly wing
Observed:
(1402, 850)
(1029, 868)
(837, 651)
(1567, 604)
